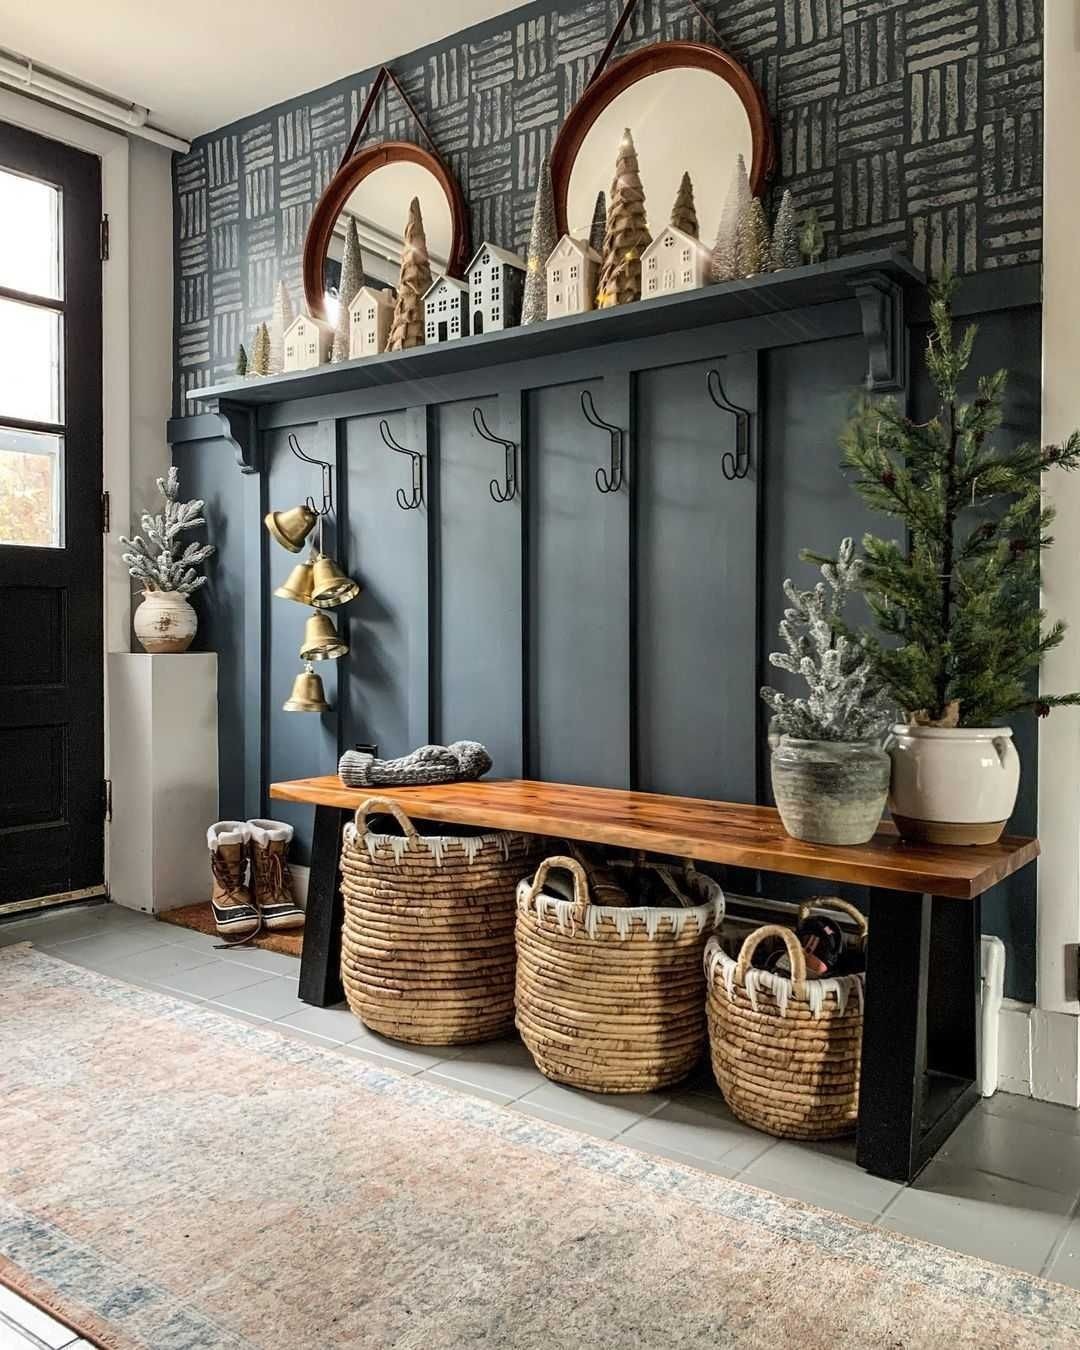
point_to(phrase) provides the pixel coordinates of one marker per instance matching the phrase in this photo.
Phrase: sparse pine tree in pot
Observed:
(956, 596)
(830, 774)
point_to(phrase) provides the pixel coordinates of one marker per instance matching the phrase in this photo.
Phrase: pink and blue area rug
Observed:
(176, 1180)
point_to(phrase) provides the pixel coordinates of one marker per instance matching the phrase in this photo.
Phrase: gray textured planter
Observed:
(830, 792)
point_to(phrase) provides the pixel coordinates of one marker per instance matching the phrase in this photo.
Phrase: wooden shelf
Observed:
(718, 832)
(773, 294)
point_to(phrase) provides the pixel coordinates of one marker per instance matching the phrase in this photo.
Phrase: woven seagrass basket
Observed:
(785, 1050)
(612, 999)
(427, 950)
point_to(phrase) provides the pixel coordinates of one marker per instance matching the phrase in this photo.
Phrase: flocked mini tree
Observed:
(599, 224)
(282, 316)
(784, 249)
(352, 278)
(684, 212)
(158, 561)
(725, 250)
(259, 361)
(627, 234)
(847, 700)
(542, 241)
(407, 327)
(957, 596)
(752, 240)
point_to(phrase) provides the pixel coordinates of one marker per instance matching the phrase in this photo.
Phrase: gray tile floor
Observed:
(1006, 1186)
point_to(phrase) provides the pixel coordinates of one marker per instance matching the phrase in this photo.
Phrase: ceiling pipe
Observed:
(20, 73)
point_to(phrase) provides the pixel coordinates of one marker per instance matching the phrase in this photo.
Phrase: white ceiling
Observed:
(199, 64)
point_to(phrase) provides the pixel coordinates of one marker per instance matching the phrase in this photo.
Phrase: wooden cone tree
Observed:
(627, 234)
(407, 326)
(352, 278)
(684, 212)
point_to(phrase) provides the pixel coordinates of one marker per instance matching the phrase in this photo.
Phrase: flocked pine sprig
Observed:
(846, 700)
(159, 561)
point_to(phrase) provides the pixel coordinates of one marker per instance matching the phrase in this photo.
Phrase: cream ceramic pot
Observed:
(952, 785)
(165, 622)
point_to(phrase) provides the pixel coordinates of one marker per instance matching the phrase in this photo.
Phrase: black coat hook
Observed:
(605, 481)
(407, 503)
(500, 492)
(735, 465)
(327, 476)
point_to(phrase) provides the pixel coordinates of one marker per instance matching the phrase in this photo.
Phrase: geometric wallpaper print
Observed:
(915, 123)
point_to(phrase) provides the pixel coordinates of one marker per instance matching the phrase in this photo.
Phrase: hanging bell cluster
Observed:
(319, 583)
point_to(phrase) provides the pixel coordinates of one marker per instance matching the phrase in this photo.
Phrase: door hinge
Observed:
(106, 798)
(106, 513)
(103, 239)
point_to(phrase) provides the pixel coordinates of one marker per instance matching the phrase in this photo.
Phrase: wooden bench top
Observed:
(718, 832)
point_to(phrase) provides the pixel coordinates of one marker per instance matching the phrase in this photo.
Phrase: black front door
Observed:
(51, 630)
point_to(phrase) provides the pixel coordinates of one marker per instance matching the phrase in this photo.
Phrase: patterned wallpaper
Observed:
(904, 122)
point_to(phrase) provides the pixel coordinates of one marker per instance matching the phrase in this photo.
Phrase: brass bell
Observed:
(297, 585)
(322, 642)
(307, 693)
(290, 528)
(329, 584)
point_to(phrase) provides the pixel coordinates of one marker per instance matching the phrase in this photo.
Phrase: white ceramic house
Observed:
(370, 316)
(497, 284)
(573, 269)
(674, 261)
(446, 311)
(307, 343)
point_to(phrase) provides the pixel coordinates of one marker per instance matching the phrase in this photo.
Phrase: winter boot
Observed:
(234, 913)
(269, 849)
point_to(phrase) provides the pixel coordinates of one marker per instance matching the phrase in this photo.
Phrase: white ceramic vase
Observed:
(165, 622)
(953, 785)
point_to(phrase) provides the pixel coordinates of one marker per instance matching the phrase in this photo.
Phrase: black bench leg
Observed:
(320, 964)
(921, 1029)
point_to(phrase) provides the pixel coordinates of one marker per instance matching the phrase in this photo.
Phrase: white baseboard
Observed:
(1039, 1053)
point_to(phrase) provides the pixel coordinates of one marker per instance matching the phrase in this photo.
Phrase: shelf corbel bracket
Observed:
(240, 429)
(881, 308)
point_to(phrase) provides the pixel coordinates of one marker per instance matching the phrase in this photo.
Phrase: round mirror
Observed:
(689, 107)
(374, 189)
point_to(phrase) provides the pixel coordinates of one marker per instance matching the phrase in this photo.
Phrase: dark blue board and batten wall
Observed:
(614, 639)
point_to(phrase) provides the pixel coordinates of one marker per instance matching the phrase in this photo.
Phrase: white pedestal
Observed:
(163, 762)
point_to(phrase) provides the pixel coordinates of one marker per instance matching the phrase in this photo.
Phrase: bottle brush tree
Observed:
(956, 597)
(846, 699)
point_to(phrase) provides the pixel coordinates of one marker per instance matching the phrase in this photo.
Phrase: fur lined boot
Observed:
(269, 850)
(230, 898)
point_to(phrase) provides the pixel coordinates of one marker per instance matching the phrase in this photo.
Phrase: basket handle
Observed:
(841, 907)
(794, 951)
(581, 882)
(385, 806)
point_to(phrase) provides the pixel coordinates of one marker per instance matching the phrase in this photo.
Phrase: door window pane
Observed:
(31, 488)
(30, 340)
(30, 240)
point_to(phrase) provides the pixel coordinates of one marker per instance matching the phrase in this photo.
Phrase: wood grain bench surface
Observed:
(718, 832)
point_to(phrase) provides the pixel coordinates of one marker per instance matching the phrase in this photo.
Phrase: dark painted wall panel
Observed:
(578, 550)
(696, 586)
(477, 602)
(385, 695)
(298, 745)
